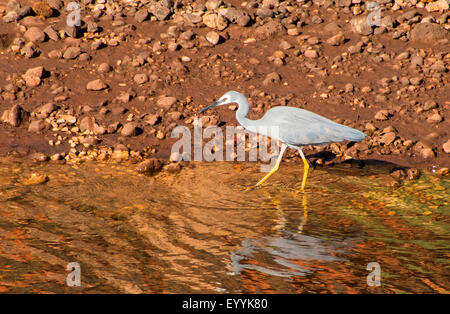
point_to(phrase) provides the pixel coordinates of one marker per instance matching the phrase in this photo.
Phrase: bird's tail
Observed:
(354, 135)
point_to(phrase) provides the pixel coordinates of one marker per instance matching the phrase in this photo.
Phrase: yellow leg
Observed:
(275, 168)
(306, 168)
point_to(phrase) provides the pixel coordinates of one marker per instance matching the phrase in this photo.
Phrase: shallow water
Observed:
(206, 230)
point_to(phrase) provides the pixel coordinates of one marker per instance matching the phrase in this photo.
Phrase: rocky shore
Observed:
(116, 85)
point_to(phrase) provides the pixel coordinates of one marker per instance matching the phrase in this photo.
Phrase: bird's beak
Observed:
(216, 103)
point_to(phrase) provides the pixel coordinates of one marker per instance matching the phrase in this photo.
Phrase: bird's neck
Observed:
(242, 112)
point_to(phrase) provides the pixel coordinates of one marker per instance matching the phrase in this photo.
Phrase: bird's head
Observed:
(227, 98)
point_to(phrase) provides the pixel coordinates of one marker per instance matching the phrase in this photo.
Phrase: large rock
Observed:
(429, 32)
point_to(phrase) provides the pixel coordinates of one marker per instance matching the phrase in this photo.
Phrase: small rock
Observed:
(96, 85)
(434, 118)
(166, 101)
(440, 5)
(413, 174)
(51, 33)
(243, 20)
(141, 78)
(36, 72)
(36, 126)
(264, 12)
(417, 60)
(213, 38)
(429, 104)
(72, 53)
(89, 124)
(35, 35)
(72, 31)
(153, 119)
(149, 166)
(130, 129)
(38, 157)
(215, 21)
(104, 68)
(271, 78)
(398, 174)
(141, 15)
(446, 147)
(336, 40)
(349, 88)
(14, 116)
(382, 115)
(173, 167)
(45, 110)
(310, 53)
(388, 138)
(269, 29)
(35, 179)
(42, 9)
(161, 12)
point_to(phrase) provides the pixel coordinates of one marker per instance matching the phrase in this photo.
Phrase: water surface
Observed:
(206, 230)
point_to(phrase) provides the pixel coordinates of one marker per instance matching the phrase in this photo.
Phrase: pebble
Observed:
(35, 35)
(434, 118)
(215, 21)
(382, 115)
(42, 9)
(38, 157)
(71, 53)
(104, 68)
(130, 129)
(166, 101)
(149, 166)
(336, 40)
(213, 38)
(413, 174)
(271, 78)
(36, 126)
(141, 15)
(446, 147)
(96, 85)
(14, 116)
(141, 78)
(388, 138)
(35, 179)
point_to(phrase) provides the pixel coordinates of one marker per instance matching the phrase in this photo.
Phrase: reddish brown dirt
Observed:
(226, 66)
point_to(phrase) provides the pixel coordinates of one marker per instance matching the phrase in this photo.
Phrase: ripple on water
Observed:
(206, 229)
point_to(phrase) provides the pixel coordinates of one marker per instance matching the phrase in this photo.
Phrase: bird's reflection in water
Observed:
(281, 254)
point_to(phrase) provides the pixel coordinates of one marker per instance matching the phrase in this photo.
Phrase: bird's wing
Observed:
(302, 127)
